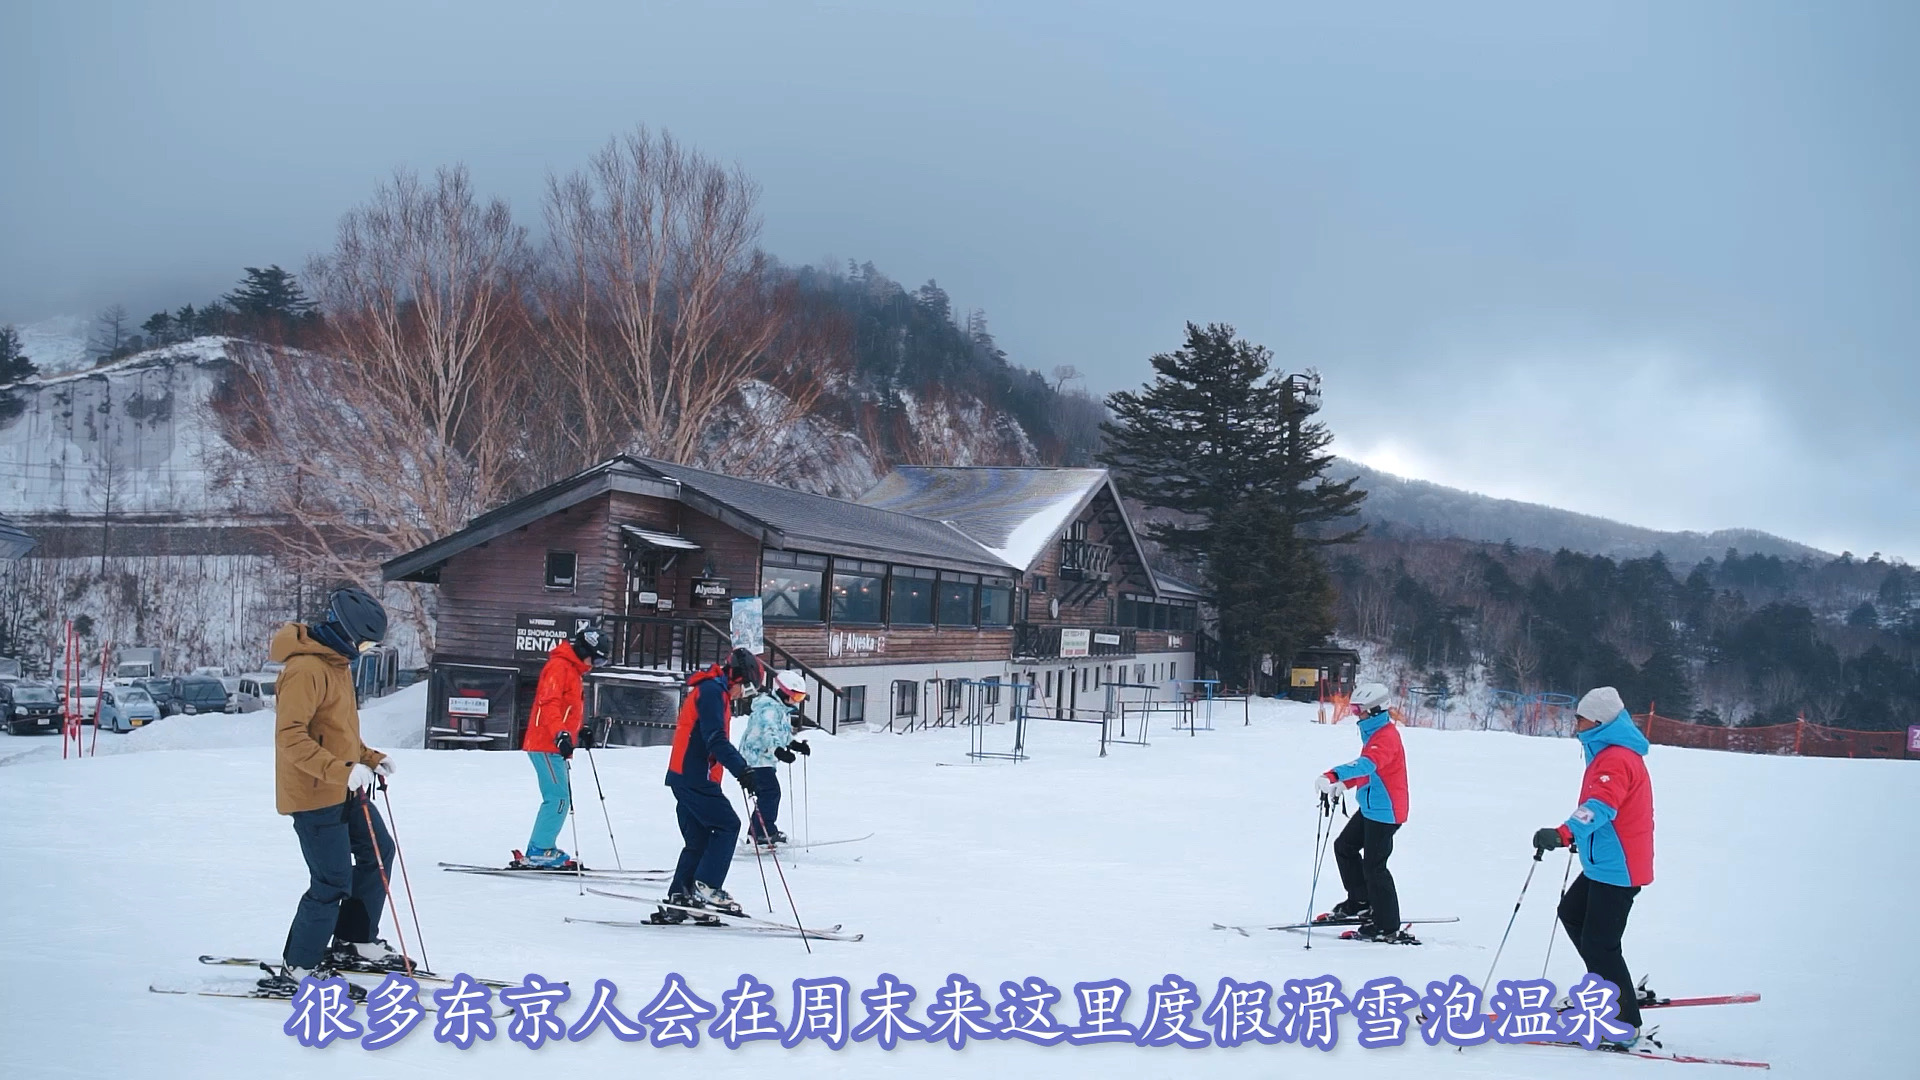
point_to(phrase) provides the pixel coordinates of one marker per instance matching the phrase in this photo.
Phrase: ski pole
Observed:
(400, 856)
(1551, 935)
(784, 887)
(806, 802)
(579, 868)
(753, 816)
(608, 818)
(373, 836)
(1320, 834)
(1537, 852)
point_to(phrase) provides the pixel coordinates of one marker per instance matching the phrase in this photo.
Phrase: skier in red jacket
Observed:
(553, 732)
(1378, 778)
(1612, 828)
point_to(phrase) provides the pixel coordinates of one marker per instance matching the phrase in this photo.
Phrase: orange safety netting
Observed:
(1800, 737)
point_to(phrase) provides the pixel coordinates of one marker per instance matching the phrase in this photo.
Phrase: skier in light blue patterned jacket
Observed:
(766, 739)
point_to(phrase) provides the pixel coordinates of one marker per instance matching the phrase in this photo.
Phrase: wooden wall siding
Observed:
(1097, 610)
(483, 588)
(734, 555)
(812, 645)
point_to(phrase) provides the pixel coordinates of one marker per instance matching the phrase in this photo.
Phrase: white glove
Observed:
(1329, 787)
(385, 768)
(360, 779)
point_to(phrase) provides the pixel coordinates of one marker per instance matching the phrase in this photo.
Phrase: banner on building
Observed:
(748, 626)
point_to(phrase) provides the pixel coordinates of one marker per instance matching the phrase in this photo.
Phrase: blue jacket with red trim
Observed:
(700, 746)
(1380, 772)
(1613, 824)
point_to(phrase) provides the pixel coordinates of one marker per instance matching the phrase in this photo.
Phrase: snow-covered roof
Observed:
(1015, 512)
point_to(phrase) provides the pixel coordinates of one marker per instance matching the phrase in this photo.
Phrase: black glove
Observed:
(784, 754)
(563, 742)
(800, 747)
(745, 777)
(1546, 839)
(586, 739)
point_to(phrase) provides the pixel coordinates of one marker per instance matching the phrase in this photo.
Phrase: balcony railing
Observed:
(1084, 560)
(661, 643)
(1034, 642)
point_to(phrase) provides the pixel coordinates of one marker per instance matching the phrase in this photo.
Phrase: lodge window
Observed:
(993, 690)
(996, 601)
(1049, 684)
(957, 595)
(856, 704)
(1039, 583)
(906, 697)
(911, 596)
(954, 688)
(560, 569)
(790, 586)
(859, 592)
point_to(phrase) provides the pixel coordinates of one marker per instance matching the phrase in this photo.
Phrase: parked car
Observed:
(232, 683)
(30, 708)
(214, 670)
(123, 708)
(87, 702)
(161, 690)
(10, 670)
(200, 694)
(255, 692)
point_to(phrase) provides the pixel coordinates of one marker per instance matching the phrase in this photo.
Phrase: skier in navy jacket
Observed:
(708, 824)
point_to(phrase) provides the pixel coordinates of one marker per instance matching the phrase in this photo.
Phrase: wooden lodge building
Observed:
(937, 580)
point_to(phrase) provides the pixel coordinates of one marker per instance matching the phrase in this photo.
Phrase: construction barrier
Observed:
(1799, 737)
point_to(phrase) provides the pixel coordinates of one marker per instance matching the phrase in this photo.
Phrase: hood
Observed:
(1619, 731)
(564, 653)
(293, 640)
(1374, 723)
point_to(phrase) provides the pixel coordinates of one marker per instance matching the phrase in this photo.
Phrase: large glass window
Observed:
(906, 697)
(856, 704)
(996, 601)
(790, 586)
(912, 597)
(957, 598)
(859, 591)
(1125, 618)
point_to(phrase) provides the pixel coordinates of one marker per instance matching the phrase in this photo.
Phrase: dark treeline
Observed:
(268, 305)
(1746, 639)
(914, 344)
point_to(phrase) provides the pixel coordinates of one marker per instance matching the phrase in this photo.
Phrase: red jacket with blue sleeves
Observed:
(1380, 772)
(556, 701)
(700, 746)
(1613, 825)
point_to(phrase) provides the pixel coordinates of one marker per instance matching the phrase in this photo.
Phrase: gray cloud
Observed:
(1650, 260)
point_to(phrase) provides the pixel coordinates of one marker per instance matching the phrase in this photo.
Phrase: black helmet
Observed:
(360, 617)
(743, 667)
(589, 644)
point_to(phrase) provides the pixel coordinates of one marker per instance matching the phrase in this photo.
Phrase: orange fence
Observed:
(1800, 737)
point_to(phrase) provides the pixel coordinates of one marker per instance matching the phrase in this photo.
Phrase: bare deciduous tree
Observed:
(662, 319)
(402, 425)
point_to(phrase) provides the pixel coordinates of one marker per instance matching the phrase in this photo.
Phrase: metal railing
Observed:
(1032, 641)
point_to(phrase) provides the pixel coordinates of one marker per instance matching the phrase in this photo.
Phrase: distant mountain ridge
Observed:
(1397, 505)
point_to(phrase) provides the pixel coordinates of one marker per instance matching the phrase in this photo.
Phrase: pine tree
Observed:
(14, 365)
(269, 294)
(1232, 446)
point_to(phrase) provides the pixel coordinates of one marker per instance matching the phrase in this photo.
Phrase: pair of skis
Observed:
(726, 921)
(239, 988)
(1328, 922)
(748, 848)
(532, 872)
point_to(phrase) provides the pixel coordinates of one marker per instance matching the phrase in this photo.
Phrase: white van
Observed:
(255, 691)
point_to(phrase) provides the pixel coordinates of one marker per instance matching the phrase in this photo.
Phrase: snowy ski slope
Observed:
(121, 869)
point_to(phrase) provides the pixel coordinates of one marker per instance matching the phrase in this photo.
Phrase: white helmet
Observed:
(1368, 697)
(791, 684)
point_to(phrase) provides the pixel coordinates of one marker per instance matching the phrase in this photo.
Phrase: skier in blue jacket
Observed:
(767, 739)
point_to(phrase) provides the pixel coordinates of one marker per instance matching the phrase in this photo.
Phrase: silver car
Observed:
(123, 708)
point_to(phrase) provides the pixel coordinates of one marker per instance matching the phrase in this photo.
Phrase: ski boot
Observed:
(1346, 911)
(1382, 935)
(284, 981)
(1642, 1039)
(375, 955)
(674, 916)
(714, 898)
(544, 859)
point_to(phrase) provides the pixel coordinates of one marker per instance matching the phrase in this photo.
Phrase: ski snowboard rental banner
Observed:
(748, 625)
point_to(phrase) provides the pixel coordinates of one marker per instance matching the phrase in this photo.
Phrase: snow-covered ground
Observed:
(1074, 868)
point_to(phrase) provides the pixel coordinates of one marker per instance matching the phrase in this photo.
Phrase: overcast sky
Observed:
(1655, 261)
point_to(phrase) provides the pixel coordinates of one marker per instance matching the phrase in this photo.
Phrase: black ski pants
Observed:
(1361, 851)
(1595, 915)
(710, 828)
(345, 895)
